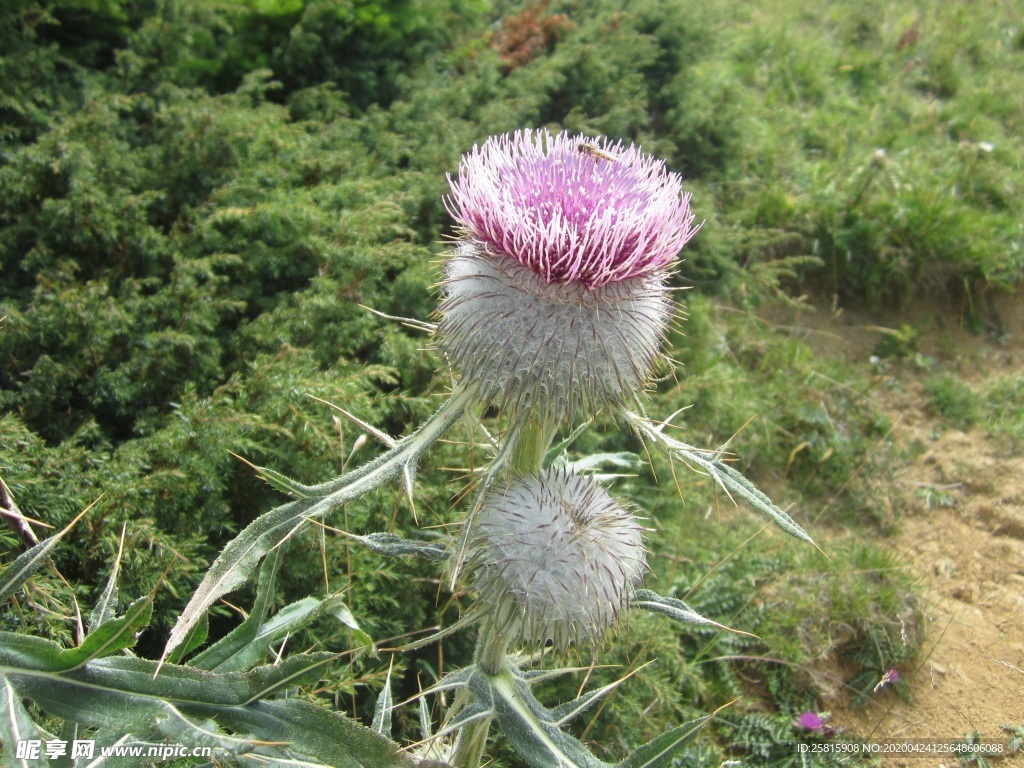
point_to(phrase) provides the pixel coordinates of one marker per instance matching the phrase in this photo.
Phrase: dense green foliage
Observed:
(198, 197)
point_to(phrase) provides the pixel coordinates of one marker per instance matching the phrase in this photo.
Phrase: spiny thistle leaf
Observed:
(15, 726)
(468, 715)
(621, 460)
(566, 712)
(28, 562)
(103, 704)
(382, 709)
(393, 546)
(241, 638)
(315, 733)
(240, 557)
(660, 750)
(426, 727)
(559, 450)
(674, 609)
(189, 705)
(237, 562)
(26, 652)
(727, 477)
(281, 483)
(106, 606)
(111, 636)
(528, 725)
(134, 677)
(195, 638)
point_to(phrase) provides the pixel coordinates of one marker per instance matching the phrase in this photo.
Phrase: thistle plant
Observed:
(554, 309)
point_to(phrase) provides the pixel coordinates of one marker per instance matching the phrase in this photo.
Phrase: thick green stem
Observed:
(532, 446)
(491, 650)
(469, 749)
(490, 657)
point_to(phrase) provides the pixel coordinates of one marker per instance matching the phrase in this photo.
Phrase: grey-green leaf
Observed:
(619, 461)
(242, 555)
(134, 677)
(669, 606)
(557, 452)
(269, 679)
(382, 709)
(337, 608)
(393, 546)
(529, 726)
(29, 561)
(283, 483)
(727, 477)
(106, 607)
(15, 726)
(195, 638)
(566, 712)
(111, 636)
(315, 734)
(238, 561)
(27, 652)
(737, 483)
(226, 654)
(99, 703)
(661, 750)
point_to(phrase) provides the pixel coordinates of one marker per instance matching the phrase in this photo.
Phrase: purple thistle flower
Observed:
(809, 721)
(555, 294)
(572, 210)
(815, 724)
(555, 558)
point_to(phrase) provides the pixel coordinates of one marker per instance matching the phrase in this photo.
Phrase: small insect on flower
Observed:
(594, 151)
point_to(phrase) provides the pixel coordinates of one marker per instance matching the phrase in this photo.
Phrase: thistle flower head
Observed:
(570, 208)
(555, 558)
(555, 294)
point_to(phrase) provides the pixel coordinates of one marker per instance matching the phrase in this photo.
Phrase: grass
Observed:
(1004, 410)
(997, 407)
(953, 400)
(882, 140)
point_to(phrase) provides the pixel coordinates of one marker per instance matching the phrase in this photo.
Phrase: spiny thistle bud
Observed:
(555, 295)
(555, 558)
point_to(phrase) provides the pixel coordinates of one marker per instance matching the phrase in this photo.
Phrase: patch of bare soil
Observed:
(959, 499)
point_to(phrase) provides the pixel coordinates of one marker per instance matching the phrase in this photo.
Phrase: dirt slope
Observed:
(959, 498)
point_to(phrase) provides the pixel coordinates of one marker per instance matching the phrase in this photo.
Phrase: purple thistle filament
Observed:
(570, 215)
(555, 296)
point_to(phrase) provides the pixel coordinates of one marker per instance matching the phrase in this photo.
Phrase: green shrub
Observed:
(953, 400)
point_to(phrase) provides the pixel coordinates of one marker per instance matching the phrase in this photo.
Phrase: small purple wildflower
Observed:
(809, 721)
(815, 724)
(569, 215)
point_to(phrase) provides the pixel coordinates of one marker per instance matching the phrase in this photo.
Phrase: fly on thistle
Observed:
(594, 151)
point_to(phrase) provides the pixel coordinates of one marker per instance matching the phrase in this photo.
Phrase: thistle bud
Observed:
(555, 558)
(555, 296)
